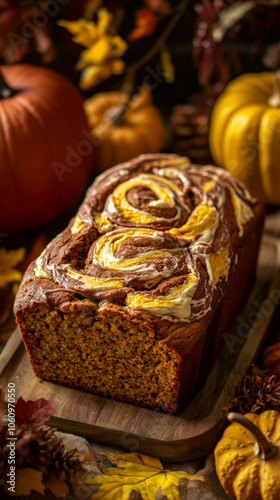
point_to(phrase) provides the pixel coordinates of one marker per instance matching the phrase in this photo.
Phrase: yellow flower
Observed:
(104, 48)
(8, 261)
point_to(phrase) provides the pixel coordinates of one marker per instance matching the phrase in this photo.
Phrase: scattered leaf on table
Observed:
(57, 486)
(27, 480)
(139, 473)
(8, 261)
(33, 412)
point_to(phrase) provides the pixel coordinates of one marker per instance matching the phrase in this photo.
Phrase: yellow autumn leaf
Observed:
(105, 23)
(167, 65)
(103, 48)
(119, 46)
(58, 487)
(85, 31)
(93, 75)
(8, 261)
(98, 54)
(27, 480)
(138, 473)
(117, 66)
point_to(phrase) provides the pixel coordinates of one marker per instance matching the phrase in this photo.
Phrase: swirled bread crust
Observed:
(156, 223)
(130, 301)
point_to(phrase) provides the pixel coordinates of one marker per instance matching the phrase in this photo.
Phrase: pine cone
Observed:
(258, 392)
(189, 132)
(40, 449)
(66, 464)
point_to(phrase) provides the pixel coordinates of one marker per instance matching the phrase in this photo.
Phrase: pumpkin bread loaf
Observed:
(131, 301)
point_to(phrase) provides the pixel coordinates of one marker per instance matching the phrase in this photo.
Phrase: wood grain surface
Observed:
(189, 435)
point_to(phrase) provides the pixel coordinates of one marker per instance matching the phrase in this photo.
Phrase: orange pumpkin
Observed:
(123, 131)
(45, 152)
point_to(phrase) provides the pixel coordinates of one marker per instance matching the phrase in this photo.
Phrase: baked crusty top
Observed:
(157, 234)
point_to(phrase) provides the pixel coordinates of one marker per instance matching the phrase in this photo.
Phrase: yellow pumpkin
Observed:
(245, 133)
(121, 132)
(247, 457)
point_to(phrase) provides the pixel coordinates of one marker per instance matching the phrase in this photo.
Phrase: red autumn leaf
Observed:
(37, 248)
(33, 412)
(146, 22)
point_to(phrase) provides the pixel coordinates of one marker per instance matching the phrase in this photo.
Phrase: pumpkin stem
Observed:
(274, 100)
(264, 449)
(5, 89)
(115, 115)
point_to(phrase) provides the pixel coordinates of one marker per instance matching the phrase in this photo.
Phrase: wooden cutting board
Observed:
(189, 435)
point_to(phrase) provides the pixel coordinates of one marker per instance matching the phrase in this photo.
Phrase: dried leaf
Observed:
(8, 261)
(167, 65)
(27, 480)
(146, 22)
(33, 412)
(57, 486)
(230, 16)
(134, 472)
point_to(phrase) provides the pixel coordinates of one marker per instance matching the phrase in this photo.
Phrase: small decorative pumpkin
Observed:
(245, 133)
(271, 358)
(247, 457)
(45, 147)
(124, 128)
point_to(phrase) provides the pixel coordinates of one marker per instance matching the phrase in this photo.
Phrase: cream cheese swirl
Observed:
(164, 227)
